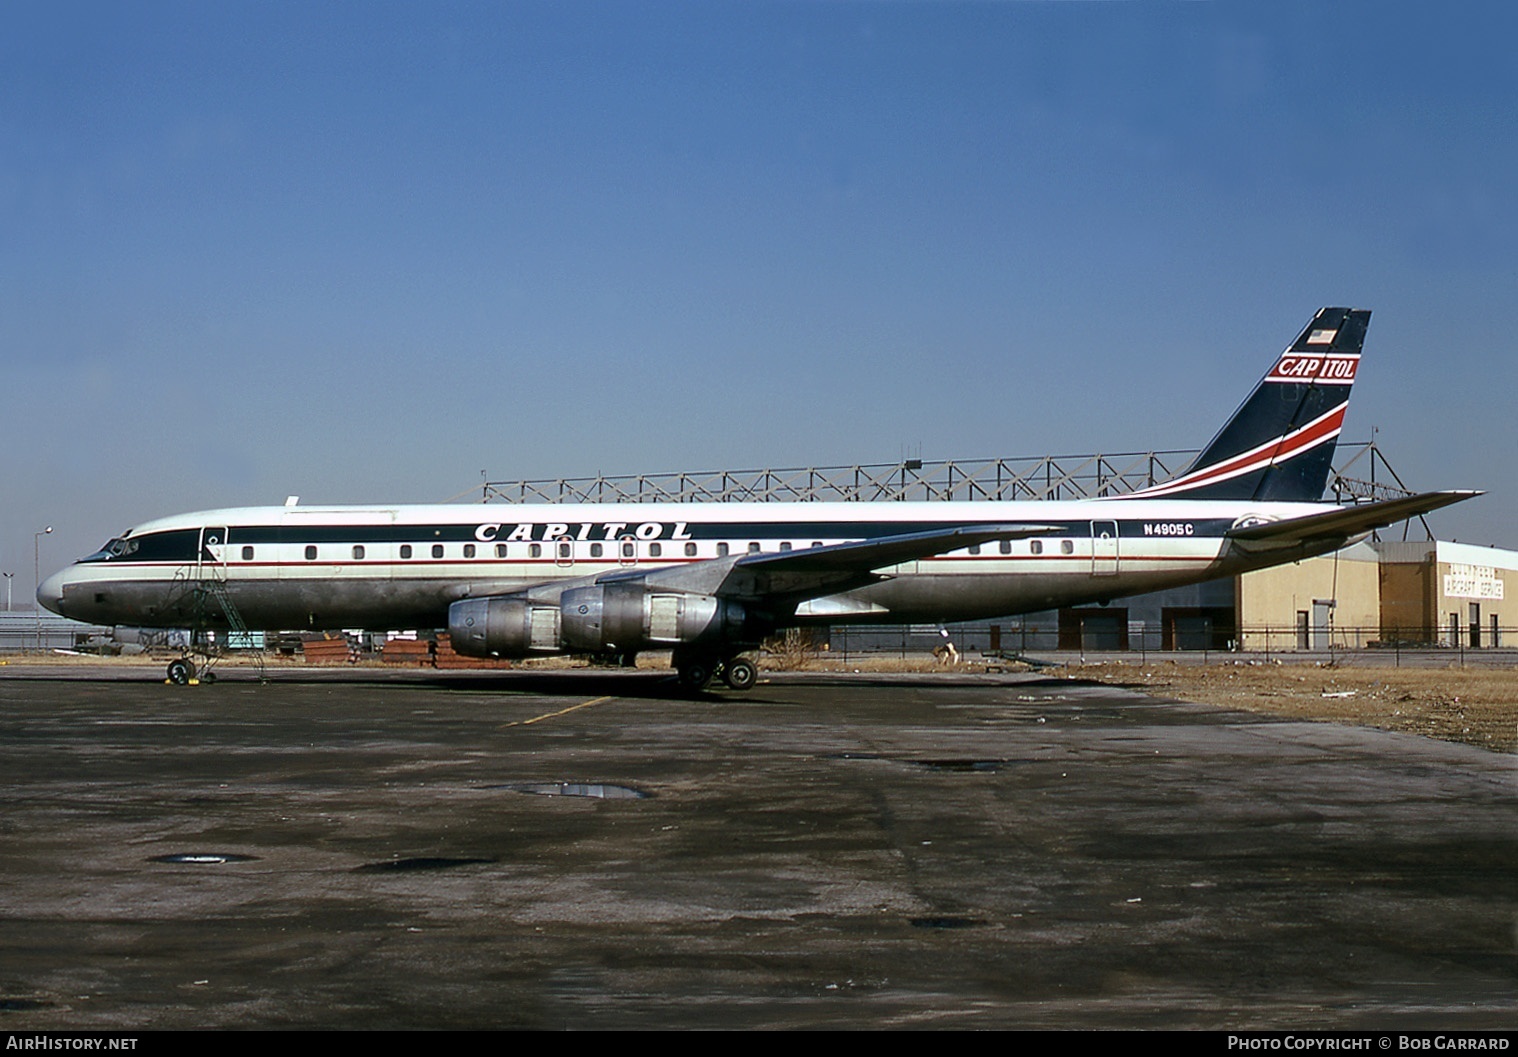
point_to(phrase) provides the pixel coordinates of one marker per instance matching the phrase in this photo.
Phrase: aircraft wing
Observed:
(868, 555)
(1347, 522)
(801, 574)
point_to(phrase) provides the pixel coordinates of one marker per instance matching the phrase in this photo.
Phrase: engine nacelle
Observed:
(503, 626)
(619, 617)
(627, 616)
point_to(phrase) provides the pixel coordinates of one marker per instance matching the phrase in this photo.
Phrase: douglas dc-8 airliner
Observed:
(711, 581)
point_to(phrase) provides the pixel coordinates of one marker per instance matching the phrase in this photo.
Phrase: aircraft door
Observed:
(213, 549)
(1104, 549)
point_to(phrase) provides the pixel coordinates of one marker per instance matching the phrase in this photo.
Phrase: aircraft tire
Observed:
(739, 674)
(694, 675)
(181, 672)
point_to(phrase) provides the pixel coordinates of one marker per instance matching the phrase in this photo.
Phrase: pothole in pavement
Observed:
(595, 790)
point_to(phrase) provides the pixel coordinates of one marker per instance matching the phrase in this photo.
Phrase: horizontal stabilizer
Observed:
(1348, 522)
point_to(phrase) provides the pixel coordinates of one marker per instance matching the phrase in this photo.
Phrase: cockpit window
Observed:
(175, 546)
(116, 548)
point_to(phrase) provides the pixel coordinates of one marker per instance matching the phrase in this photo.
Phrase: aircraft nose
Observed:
(50, 593)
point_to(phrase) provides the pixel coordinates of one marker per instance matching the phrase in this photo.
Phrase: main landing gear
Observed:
(739, 674)
(696, 672)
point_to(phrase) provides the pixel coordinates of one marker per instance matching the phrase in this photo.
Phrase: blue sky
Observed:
(362, 252)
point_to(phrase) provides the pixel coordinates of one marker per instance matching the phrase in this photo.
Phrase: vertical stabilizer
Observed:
(1279, 444)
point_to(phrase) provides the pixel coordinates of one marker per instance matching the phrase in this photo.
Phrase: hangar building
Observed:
(1419, 593)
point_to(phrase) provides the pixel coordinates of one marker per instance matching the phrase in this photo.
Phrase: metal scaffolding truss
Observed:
(1365, 458)
(1046, 477)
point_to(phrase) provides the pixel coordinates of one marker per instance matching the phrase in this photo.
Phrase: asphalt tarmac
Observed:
(383, 849)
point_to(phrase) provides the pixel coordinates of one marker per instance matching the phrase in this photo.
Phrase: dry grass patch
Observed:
(1475, 706)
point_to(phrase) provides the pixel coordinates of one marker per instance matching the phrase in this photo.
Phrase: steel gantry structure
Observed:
(1052, 477)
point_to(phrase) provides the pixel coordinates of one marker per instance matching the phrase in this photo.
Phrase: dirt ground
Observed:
(1475, 706)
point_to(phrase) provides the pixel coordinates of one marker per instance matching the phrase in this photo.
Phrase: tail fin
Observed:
(1279, 444)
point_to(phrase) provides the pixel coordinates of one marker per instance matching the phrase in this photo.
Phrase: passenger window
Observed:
(437, 550)
(310, 554)
(500, 550)
(785, 546)
(690, 550)
(753, 548)
(595, 550)
(535, 550)
(975, 549)
(1067, 546)
(722, 550)
(1005, 546)
(629, 549)
(1036, 547)
(655, 550)
(565, 551)
(358, 552)
(405, 550)
(469, 550)
(247, 554)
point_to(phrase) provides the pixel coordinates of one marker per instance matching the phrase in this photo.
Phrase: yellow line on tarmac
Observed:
(560, 712)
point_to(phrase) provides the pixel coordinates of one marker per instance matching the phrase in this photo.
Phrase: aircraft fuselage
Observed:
(388, 568)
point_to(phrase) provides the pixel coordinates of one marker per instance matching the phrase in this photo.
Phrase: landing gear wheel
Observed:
(694, 675)
(208, 677)
(739, 674)
(181, 672)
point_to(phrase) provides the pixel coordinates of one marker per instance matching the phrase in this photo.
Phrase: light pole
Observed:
(37, 576)
(8, 578)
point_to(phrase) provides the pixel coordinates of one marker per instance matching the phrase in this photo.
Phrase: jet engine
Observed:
(627, 616)
(503, 626)
(622, 616)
